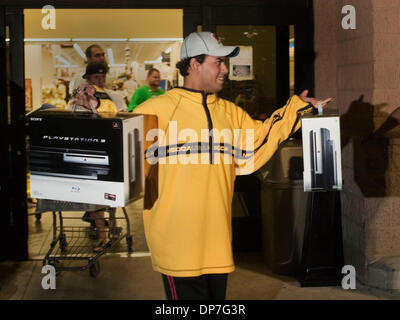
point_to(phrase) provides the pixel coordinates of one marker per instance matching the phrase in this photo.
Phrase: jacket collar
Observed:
(197, 95)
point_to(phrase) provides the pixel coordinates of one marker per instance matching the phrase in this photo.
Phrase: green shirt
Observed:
(141, 95)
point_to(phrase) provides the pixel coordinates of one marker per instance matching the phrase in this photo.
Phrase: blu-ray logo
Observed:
(75, 189)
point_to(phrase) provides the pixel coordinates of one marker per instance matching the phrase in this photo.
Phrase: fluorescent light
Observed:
(79, 50)
(65, 66)
(158, 60)
(47, 40)
(138, 51)
(110, 55)
(63, 60)
(103, 39)
(100, 39)
(155, 39)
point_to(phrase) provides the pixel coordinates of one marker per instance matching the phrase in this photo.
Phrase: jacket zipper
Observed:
(210, 128)
(210, 124)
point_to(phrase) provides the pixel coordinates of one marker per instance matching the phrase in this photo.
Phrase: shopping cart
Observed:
(73, 244)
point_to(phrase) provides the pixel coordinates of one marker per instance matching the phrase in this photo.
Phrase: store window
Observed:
(252, 75)
(133, 40)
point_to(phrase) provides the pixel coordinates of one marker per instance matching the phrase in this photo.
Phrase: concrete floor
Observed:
(130, 276)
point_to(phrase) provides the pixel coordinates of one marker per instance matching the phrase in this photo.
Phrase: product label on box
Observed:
(109, 196)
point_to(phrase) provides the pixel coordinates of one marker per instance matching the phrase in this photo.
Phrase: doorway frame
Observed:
(208, 14)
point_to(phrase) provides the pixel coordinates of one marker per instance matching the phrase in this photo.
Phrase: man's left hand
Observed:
(314, 101)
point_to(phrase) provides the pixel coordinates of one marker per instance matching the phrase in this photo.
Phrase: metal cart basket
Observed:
(73, 243)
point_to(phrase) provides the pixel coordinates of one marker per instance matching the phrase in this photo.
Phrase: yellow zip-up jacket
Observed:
(188, 229)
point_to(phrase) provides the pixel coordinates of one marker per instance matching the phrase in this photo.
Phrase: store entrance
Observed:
(42, 65)
(44, 61)
(131, 42)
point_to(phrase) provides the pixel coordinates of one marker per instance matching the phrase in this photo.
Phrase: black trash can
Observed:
(301, 231)
(283, 208)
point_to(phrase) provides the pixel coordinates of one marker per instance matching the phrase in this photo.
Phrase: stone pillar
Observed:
(360, 69)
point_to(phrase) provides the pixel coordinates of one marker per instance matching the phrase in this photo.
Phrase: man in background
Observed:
(96, 74)
(94, 54)
(152, 88)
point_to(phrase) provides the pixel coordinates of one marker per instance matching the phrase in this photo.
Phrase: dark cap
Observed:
(95, 67)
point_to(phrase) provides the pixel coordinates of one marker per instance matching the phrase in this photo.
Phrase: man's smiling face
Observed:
(213, 72)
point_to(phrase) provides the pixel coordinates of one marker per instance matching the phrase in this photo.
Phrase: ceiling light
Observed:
(158, 60)
(48, 40)
(250, 34)
(110, 55)
(79, 50)
(99, 39)
(65, 66)
(155, 39)
(63, 60)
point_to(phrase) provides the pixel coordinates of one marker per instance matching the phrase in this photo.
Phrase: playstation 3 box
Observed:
(86, 158)
(321, 152)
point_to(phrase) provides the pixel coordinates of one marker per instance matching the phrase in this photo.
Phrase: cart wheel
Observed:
(94, 269)
(38, 216)
(129, 243)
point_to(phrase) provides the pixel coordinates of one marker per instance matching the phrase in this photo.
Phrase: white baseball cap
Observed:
(198, 43)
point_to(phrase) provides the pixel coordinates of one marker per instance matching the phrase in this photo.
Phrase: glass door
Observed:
(252, 75)
(261, 78)
(13, 217)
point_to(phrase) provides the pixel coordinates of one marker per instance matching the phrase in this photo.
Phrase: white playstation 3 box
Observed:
(321, 152)
(86, 158)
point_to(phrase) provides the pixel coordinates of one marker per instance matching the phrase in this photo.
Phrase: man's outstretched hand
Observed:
(314, 101)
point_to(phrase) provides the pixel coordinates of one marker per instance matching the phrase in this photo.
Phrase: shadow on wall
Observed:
(370, 147)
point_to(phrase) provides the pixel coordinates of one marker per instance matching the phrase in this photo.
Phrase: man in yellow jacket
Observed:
(203, 142)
